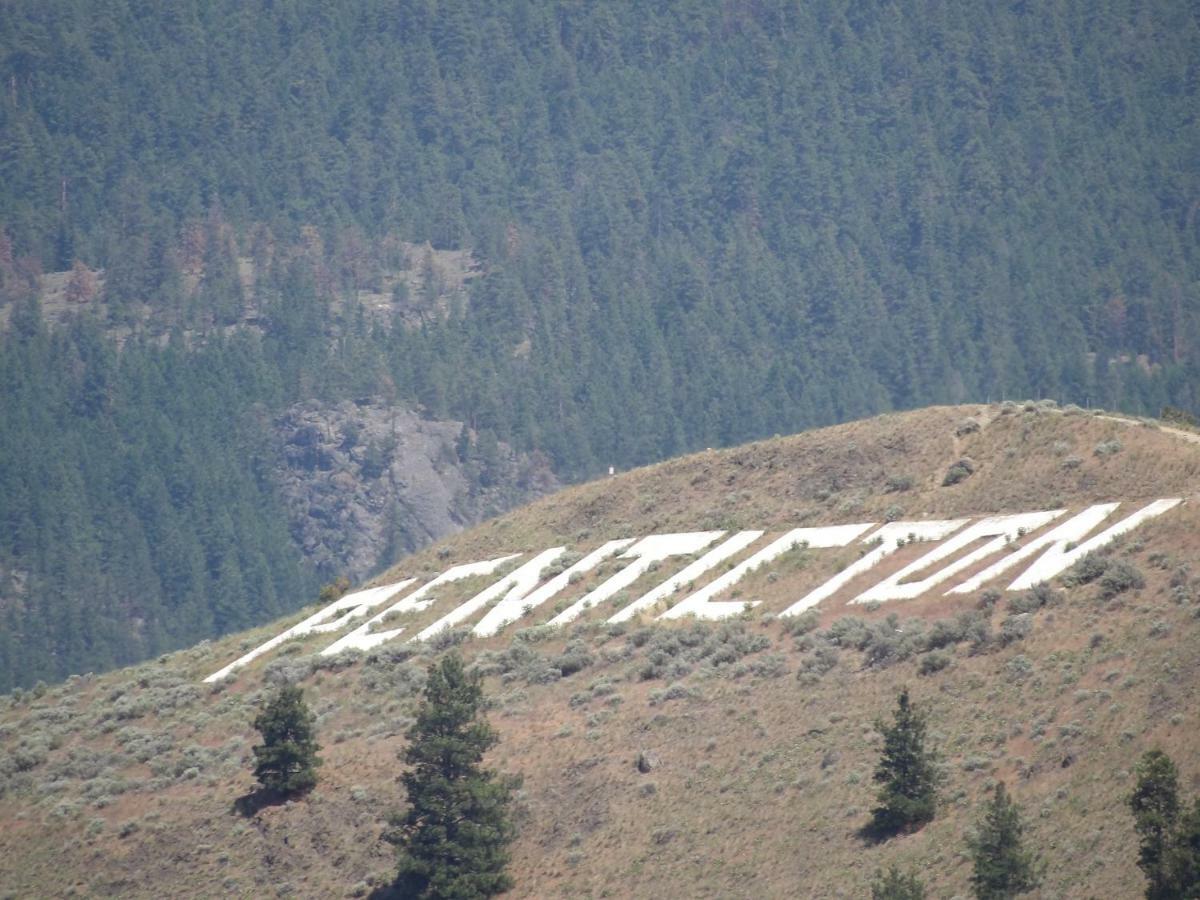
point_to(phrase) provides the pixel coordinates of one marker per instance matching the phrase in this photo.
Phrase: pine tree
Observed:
(1155, 806)
(896, 885)
(1185, 858)
(287, 758)
(454, 837)
(1003, 867)
(1169, 851)
(907, 774)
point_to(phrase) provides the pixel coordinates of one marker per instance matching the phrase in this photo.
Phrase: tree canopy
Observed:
(286, 761)
(1003, 866)
(907, 774)
(453, 839)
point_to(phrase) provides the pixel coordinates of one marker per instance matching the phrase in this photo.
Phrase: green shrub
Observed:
(1119, 577)
(958, 472)
(574, 658)
(1086, 569)
(847, 632)
(933, 662)
(823, 659)
(802, 624)
(1015, 628)
(1035, 598)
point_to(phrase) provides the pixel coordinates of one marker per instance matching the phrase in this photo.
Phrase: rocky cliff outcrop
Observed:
(365, 483)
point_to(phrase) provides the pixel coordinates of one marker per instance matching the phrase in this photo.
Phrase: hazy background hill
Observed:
(650, 229)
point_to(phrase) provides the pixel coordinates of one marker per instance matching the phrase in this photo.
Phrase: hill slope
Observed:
(757, 728)
(606, 234)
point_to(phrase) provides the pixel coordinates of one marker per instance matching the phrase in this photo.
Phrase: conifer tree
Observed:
(454, 837)
(1169, 851)
(287, 758)
(1155, 806)
(897, 885)
(907, 774)
(1004, 868)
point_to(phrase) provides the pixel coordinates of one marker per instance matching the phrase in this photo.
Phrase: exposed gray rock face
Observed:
(366, 483)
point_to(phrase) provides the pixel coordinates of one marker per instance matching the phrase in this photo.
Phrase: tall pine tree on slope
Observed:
(1169, 849)
(286, 761)
(454, 837)
(907, 774)
(1004, 868)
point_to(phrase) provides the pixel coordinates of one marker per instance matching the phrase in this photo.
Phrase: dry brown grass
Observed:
(763, 780)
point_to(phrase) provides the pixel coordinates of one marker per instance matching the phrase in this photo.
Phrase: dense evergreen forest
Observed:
(695, 223)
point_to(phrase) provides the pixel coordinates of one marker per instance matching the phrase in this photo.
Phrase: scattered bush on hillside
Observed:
(970, 625)
(560, 565)
(1085, 570)
(770, 665)
(31, 752)
(574, 658)
(1072, 462)
(896, 885)
(1038, 596)
(885, 642)
(1015, 628)
(676, 691)
(989, 598)
(1115, 576)
(285, 670)
(1107, 448)
(396, 676)
(822, 660)
(1119, 577)
(673, 652)
(848, 632)
(966, 426)
(1018, 668)
(958, 472)
(898, 484)
(1183, 587)
(802, 624)
(84, 763)
(616, 629)
(447, 638)
(933, 662)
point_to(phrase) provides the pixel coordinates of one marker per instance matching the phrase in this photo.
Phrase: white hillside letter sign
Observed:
(1001, 530)
(351, 606)
(514, 586)
(509, 609)
(727, 548)
(362, 638)
(891, 538)
(700, 604)
(1057, 557)
(644, 553)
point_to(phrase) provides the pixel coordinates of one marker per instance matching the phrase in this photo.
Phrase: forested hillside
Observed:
(692, 224)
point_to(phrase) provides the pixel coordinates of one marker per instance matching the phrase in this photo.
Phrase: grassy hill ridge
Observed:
(758, 729)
